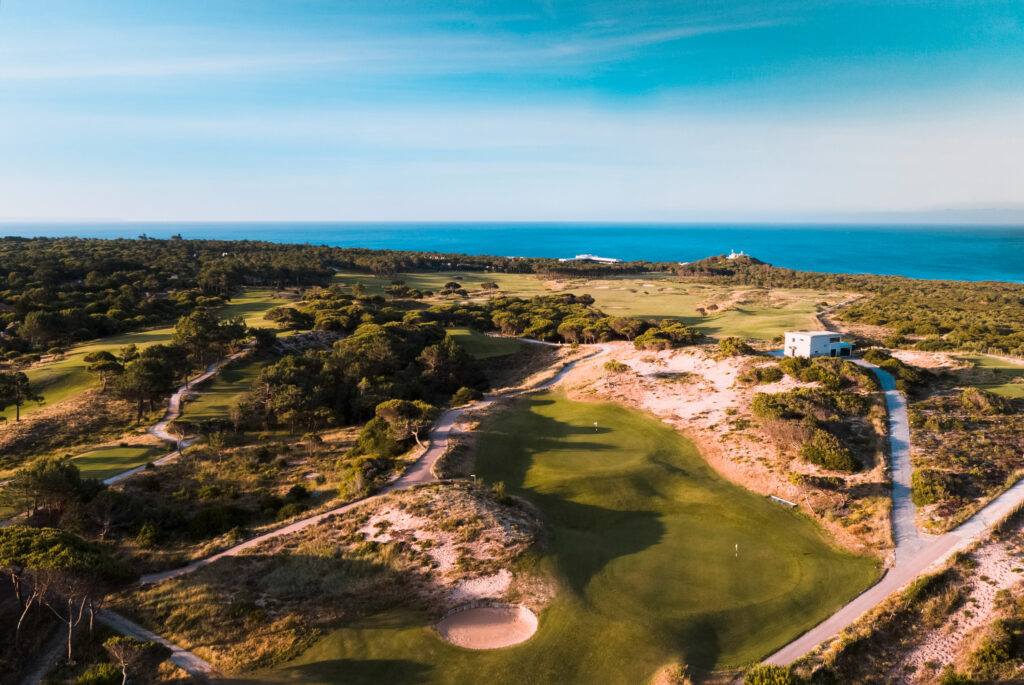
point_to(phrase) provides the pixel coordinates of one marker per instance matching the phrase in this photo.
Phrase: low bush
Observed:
(465, 395)
(616, 366)
(734, 347)
(931, 486)
(769, 674)
(760, 375)
(825, 450)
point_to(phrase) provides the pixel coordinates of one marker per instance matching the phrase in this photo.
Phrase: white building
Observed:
(816, 344)
(590, 258)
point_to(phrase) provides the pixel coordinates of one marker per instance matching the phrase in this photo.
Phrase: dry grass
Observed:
(419, 550)
(88, 418)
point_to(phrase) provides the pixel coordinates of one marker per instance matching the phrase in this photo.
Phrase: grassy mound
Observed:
(657, 559)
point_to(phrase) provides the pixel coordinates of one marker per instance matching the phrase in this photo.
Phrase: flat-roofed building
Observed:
(812, 344)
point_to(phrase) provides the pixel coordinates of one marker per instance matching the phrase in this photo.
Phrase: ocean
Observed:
(974, 253)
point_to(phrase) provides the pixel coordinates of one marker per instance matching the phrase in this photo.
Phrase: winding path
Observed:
(907, 540)
(915, 552)
(421, 471)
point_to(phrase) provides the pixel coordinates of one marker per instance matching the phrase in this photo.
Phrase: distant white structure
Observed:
(590, 258)
(733, 254)
(812, 344)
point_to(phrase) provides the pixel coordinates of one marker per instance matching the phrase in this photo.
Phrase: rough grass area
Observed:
(966, 619)
(420, 551)
(656, 559)
(996, 375)
(87, 419)
(217, 396)
(728, 311)
(965, 448)
(105, 462)
(483, 346)
(59, 380)
(218, 493)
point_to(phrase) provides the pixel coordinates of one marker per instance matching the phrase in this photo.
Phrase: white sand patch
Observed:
(482, 587)
(488, 627)
(996, 562)
(695, 392)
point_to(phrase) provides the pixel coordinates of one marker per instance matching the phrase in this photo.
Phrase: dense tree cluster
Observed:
(60, 290)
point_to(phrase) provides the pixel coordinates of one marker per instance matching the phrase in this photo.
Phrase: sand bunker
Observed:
(488, 627)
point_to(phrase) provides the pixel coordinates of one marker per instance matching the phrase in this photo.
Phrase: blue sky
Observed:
(585, 110)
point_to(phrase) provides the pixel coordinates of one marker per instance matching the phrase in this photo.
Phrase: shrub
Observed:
(734, 347)
(951, 677)
(465, 395)
(100, 674)
(985, 402)
(769, 674)
(297, 493)
(761, 375)
(825, 450)
(148, 535)
(995, 648)
(616, 366)
(930, 486)
(289, 510)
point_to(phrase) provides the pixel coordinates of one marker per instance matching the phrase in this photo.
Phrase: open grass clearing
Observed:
(1007, 378)
(657, 559)
(104, 462)
(741, 311)
(220, 393)
(483, 346)
(66, 377)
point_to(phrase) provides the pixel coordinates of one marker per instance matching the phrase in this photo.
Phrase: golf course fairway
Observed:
(655, 557)
(59, 380)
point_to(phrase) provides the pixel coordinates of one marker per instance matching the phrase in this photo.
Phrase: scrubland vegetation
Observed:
(635, 552)
(831, 425)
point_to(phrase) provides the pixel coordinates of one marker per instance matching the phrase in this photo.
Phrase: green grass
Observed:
(483, 346)
(760, 314)
(643, 545)
(109, 461)
(523, 285)
(65, 378)
(1006, 370)
(220, 393)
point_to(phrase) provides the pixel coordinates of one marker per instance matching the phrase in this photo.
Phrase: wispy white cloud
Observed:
(432, 53)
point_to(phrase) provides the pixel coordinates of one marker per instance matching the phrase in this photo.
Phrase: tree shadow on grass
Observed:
(345, 672)
(584, 537)
(700, 644)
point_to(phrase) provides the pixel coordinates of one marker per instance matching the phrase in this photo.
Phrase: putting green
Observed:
(656, 557)
(105, 462)
(65, 378)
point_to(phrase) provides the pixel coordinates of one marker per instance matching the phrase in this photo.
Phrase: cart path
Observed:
(907, 540)
(182, 658)
(915, 552)
(934, 551)
(421, 471)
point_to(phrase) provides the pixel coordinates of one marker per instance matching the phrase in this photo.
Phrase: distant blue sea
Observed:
(944, 252)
